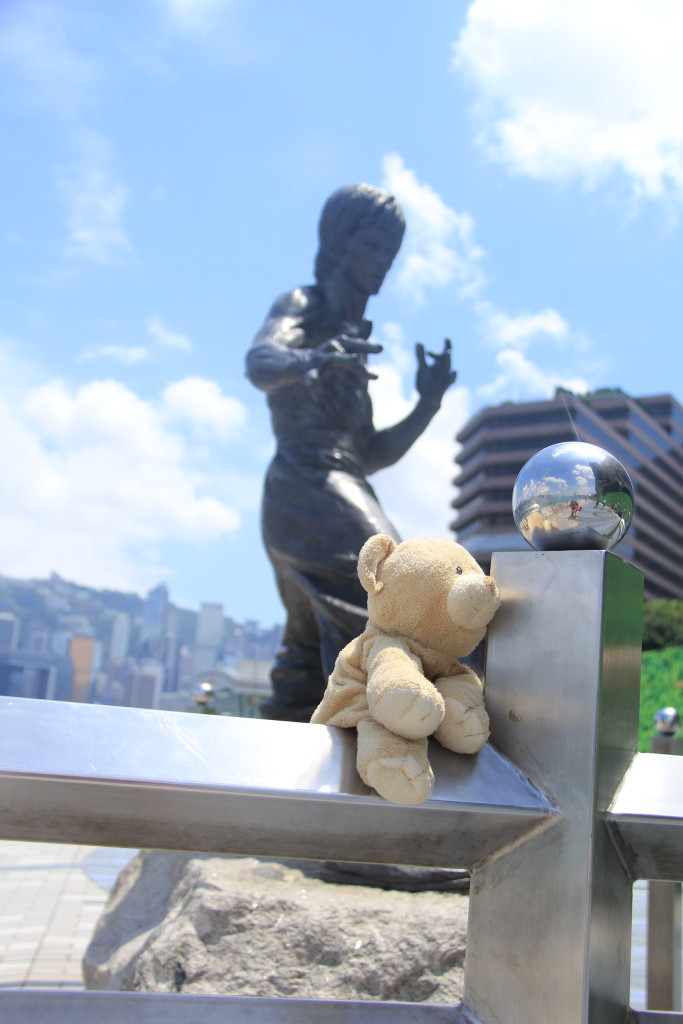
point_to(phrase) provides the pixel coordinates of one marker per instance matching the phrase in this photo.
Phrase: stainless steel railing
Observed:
(555, 818)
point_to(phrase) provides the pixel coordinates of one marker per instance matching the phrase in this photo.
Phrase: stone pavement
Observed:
(50, 899)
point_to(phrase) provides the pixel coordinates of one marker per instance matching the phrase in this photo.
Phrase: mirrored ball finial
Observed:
(572, 496)
(667, 721)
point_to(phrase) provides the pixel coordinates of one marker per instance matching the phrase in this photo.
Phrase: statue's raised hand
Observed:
(434, 378)
(343, 353)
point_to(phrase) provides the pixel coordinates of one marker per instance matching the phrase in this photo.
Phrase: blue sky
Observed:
(163, 166)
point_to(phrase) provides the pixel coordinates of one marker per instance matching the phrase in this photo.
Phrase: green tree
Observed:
(662, 625)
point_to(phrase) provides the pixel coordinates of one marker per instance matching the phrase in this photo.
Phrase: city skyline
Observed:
(62, 641)
(168, 164)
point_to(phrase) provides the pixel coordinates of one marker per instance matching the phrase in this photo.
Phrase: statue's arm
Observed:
(382, 448)
(277, 356)
(385, 447)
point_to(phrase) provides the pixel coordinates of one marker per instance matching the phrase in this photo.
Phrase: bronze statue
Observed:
(310, 357)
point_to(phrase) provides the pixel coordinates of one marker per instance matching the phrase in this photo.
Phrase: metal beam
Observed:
(133, 1007)
(550, 920)
(646, 816)
(79, 773)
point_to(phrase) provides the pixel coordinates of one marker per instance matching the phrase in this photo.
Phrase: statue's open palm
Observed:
(434, 378)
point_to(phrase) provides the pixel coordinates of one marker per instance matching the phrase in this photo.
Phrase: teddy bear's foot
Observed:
(464, 729)
(398, 769)
(407, 712)
(401, 780)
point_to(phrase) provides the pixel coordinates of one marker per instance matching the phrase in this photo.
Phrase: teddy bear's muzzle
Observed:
(472, 601)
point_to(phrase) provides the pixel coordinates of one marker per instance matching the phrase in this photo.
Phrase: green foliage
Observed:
(661, 686)
(662, 625)
(621, 501)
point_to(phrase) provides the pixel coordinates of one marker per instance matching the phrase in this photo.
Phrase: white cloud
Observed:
(95, 204)
(579, 90)
(519, 331)
(515, 376)
(36, 43)
(416, 493)
(194, 15)
(439, 247)
(167, 338)
(129, 354)
(201, 403)
(96, 479)
(519, 379)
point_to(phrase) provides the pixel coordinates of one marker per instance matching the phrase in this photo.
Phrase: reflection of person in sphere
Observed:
(318, 508)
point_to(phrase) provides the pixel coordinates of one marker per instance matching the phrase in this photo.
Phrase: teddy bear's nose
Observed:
(472, 601)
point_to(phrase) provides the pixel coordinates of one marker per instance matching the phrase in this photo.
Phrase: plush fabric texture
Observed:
(400, 681)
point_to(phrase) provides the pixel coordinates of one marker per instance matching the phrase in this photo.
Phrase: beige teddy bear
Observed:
(429, 603)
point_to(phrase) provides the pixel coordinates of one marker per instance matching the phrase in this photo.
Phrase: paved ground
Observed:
(51, 897)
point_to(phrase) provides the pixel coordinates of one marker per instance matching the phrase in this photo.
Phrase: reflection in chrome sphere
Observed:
(572, 496)
(667, 721)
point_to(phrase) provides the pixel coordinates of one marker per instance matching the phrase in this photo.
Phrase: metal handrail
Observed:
(556, 817)
(228, 785)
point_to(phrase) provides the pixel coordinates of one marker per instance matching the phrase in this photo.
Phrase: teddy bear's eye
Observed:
(459, 571)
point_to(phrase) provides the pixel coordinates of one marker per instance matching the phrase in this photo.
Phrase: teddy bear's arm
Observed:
(345, 701)
(399, 696)
(465, 725)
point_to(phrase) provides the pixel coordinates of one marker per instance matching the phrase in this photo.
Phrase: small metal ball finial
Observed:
(667, 721)
(572, 496)
(202, 693)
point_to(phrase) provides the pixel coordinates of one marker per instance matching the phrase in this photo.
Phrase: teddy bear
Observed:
(429, 603)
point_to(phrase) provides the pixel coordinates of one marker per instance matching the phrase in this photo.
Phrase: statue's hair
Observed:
(348, 210)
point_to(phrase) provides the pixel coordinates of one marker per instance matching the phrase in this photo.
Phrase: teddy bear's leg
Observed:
(400, 697)
(465, 725)
(397, 768)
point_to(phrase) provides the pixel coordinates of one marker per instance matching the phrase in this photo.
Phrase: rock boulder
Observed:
(241, 926)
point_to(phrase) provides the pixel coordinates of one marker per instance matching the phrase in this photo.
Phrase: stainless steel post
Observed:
(550, 916)
(664, 900)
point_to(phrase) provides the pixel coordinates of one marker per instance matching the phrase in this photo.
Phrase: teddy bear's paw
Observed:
(464, 729)
(407, 713)
(401, 780)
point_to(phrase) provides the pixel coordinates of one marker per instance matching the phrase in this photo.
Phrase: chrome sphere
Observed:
(202, 693)
(572, 496)
(667, 721)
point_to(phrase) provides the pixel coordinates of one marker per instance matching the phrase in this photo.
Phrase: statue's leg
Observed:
(298, 685)
(297, 676)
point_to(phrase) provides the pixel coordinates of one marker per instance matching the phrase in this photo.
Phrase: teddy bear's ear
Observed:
(372, 554)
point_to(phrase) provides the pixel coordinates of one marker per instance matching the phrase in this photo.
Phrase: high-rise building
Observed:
(644, 434)
(85, 654)
(119, 641)
(153, 628)
(35, 675)
(9, 631)
(208, 637)
(146, 684)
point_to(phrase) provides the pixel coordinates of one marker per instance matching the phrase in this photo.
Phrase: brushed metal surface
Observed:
(562, 683)
(79, 773)
(22, 1007)
(654, 1017)
(647, 814)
